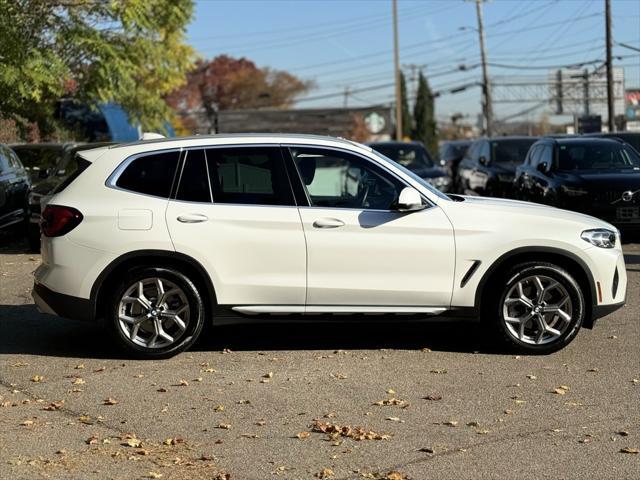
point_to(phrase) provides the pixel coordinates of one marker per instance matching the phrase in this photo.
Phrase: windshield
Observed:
(511, 151)
(421, 181)
(453, 150)
(412, 156)
(597, 156)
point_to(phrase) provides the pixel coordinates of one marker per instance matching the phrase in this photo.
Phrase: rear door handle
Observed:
(192, 218)
(328, 223)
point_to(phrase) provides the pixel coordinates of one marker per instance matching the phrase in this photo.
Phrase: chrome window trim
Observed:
(115, 175)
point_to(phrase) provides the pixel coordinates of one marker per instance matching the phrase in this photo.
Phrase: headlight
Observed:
(600, 237)
(439, 181)
(573, 192)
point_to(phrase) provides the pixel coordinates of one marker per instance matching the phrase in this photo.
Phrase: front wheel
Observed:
(156, 313)
(537, 308)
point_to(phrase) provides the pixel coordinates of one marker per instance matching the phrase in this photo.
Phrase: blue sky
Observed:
(348, 43)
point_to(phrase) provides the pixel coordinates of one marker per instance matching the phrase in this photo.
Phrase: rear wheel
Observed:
(536, 307)
(156, 313)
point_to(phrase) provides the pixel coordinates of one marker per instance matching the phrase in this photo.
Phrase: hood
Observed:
(502, 209)
(429, 172)
(599, 180)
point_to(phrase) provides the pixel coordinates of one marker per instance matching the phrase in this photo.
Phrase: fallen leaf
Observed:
(99, 369)
(339, 376)
(390, 401)
(473, 424)
(629, 450)
(173, 441)
(78, 381)
(357, 433)
(154, 475)
(532, 377)
(37, 378)
(482, 431)
(268, 375)
(623, 433)
(80, 366)
(110, 401)
(199, 379)
(425, 350)
(325, 473)
(395, 476)
(303, 435)
(593, 370)
(261, 423)
(393, 419)
(433, 397)
(218, 408)
(92, 440)
(54, 406)
(86, 419)
(209, 370)
(426, 450)
(439, 370)
(27, 423)
(391, 391)
(560, 390)
(183, 383)
(132, 442)
(451, 423)
(224, 426)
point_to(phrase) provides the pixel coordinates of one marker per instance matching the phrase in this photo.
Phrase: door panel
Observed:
(235, 214)
(362, 252)
(379, 257)
(254, 254)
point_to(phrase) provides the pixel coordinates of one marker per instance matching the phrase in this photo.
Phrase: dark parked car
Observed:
(489, 166)
(596, 176)
(14, 189)
(415, 157)
(632, 138)
(451, 154)
(49, 165)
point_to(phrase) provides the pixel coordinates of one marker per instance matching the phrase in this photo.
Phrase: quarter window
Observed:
(336, 179)
(151, 174)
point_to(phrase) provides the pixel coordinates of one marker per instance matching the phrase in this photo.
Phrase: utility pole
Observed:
(347, 92)
(396, 66)
(610, 98)
(486, 88)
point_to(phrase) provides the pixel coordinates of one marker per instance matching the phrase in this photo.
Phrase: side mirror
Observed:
(543, 167)
(409, 200)
(483, 160)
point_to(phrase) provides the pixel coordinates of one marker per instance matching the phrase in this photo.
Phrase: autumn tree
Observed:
(130, 52)
(226, 83)
(424, 115)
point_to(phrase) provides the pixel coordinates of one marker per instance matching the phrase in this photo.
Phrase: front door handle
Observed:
(328, 223)
(192, 218)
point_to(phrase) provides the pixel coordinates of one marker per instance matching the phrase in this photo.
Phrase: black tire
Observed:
(33, 237)
(497, 291)
(184, 340)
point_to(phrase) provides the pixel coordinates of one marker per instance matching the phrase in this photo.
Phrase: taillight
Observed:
(58, 220)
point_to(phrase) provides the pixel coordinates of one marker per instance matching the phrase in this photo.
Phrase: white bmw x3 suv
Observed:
(157, 238)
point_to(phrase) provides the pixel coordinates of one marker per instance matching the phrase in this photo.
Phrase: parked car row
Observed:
(596, 174)
(29, 172)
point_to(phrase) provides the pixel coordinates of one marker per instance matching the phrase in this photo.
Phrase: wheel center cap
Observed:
(536, 309)
(154, 312)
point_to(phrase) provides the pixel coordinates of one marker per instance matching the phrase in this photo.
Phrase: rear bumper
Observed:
(61, 305)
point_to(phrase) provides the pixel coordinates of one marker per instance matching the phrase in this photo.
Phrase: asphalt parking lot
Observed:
(393, 401)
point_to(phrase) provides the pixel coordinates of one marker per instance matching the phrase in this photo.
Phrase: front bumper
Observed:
(66, 306)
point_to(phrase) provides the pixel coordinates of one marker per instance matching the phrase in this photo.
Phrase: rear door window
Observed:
(194, 178)
(249, 176)
(150, 174)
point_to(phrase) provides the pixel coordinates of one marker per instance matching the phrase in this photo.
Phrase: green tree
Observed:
(407, 121)
(424, 115)
(131, 52)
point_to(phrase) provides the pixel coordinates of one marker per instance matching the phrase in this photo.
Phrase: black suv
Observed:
(415, 157)
(596, 176)
(49, 164)
(14, 189)
(451, 154)
(489, 166)
(632, 138)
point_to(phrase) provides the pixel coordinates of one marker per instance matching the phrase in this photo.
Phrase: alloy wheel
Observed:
(537, 310)
(153, 313)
